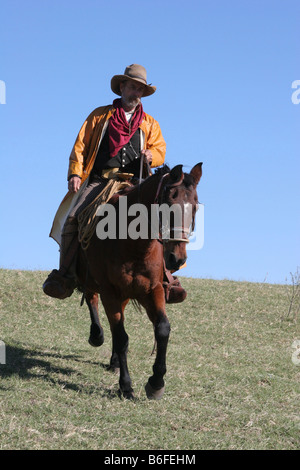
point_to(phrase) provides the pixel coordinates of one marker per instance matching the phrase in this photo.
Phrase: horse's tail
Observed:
(137, 305)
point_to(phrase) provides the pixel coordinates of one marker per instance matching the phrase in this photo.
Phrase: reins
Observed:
(88, 217)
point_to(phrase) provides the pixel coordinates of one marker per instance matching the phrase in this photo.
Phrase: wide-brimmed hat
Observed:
(132, 72)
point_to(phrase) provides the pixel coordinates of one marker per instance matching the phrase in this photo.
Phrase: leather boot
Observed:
(61, 283)
(174, 292)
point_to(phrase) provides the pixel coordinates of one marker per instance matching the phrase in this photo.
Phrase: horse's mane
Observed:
(162, 170)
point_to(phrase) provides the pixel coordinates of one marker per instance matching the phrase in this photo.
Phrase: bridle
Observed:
(158, 199)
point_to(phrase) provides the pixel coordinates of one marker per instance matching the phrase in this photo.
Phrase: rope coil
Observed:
(87, 219)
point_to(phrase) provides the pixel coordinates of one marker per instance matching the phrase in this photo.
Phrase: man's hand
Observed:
(147, 155)
(74, 184)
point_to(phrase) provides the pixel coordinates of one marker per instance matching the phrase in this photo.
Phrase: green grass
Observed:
(230, 383)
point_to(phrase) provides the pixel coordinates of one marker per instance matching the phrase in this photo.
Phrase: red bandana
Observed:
(120, 130)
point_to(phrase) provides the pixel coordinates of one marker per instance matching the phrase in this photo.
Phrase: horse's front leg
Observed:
(96, 332)
(115, 314)
(156, 312)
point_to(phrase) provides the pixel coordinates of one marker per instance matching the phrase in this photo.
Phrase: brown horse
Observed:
(122, 268)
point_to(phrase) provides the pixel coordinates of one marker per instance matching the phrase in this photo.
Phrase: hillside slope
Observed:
(231, 382)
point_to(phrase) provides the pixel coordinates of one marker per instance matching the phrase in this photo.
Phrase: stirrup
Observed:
(58, 286)
(174, 292)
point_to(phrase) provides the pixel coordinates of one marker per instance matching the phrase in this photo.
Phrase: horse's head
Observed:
(179, 192)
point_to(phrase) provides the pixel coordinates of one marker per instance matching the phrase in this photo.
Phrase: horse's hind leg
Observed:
(114, 310)
(96, 332)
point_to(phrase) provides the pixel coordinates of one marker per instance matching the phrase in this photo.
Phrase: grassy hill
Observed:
(230, 384)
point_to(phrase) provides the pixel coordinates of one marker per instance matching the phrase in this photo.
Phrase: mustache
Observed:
(132, 99)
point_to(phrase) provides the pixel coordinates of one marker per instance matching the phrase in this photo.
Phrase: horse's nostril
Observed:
(172, 260)
(174, 263)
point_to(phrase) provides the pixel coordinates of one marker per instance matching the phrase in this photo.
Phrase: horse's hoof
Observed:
(96, 338)
(153, 394)
(114, 369)
(96, 342)
(127, 395)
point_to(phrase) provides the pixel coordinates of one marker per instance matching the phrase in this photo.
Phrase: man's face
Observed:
(131, 94)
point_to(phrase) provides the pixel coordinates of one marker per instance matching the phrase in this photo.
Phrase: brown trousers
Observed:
(88, 195)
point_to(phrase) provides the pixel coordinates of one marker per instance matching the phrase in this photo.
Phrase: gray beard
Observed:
(131, 103)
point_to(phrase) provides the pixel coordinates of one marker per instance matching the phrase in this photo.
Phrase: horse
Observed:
(121, 268)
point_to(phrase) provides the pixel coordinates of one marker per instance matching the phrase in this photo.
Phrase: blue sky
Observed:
(224, 71)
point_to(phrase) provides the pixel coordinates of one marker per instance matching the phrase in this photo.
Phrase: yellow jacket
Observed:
(86, 146)
(85, 150)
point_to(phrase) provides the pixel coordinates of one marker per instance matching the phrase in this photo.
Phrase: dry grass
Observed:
(230, 384)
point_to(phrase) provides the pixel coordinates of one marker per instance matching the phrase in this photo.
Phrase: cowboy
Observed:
(113, 139)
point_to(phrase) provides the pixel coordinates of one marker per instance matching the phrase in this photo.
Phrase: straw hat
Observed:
(132, 72)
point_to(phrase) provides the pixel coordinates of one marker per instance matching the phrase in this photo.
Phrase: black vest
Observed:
(127, 159)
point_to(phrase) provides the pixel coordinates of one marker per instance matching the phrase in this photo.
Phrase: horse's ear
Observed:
(196, 172)
(176, 174)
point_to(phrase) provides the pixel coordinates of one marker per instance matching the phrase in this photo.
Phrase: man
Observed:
(112, 139)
